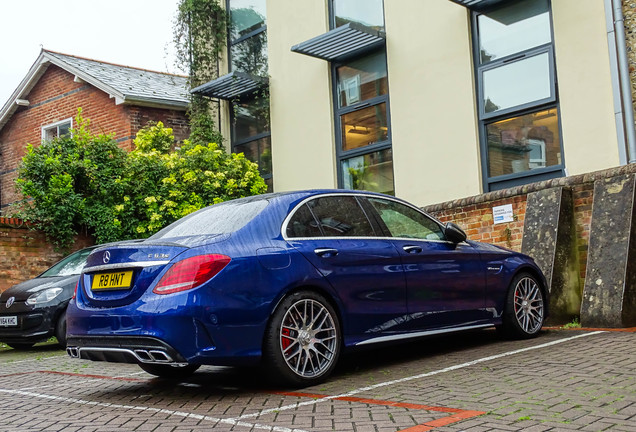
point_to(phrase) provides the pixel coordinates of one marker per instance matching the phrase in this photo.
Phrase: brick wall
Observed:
(25, 253)
(56, 96)
(474, 214)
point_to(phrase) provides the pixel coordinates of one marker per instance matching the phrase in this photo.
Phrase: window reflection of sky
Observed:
(517, 83)
(367, 12)
(513, 29)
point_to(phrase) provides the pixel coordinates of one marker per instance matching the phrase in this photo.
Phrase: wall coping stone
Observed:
(6, 222)
(533, 187)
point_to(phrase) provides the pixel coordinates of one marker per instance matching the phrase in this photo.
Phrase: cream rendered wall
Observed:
(585, 87)
(303, 149)
(433, 113)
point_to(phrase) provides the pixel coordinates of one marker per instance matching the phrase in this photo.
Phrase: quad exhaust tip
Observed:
(141, 355)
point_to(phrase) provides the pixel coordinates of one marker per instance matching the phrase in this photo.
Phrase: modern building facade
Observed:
(428, 100)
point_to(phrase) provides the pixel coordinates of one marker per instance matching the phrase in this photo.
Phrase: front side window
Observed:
(250, 114)
(361, 101)
(518, 101)
(405, 222)
(56, 130)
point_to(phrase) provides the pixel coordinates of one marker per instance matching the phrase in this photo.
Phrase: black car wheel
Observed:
(60, 330)
(169, 371)
(524, 311)
(302, 343)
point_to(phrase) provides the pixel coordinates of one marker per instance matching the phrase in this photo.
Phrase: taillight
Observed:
(75, 292)
(190, 273)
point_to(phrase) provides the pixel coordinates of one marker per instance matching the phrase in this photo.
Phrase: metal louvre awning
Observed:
(342, 42)
(231, 86)
(478, 5)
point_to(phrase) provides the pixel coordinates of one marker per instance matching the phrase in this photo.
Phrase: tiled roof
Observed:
(132, 83)
(127, 85)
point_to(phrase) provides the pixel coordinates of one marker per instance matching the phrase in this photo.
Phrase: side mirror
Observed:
(454, 233)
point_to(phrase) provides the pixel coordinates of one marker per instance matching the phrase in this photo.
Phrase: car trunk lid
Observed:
(119, 274)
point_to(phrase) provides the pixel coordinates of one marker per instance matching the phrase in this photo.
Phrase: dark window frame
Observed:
(338, 111)
(486, 119)
(247, 97)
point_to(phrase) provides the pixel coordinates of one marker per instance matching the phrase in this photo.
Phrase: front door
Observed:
(445, 281)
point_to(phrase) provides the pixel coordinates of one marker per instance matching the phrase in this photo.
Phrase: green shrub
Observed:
(85, 183)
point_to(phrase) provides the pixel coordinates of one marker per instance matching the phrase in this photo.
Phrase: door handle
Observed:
(326, 252)
(412, 249)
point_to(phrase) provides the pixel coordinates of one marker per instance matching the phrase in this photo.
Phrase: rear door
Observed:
(445, 282)
(334, 233)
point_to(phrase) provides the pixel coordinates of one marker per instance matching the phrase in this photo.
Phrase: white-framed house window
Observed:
(57, 129)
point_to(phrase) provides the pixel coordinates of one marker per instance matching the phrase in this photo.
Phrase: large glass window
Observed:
(523, 143)
(518, 101)
(367, 12)
(250, 114)
(361, 103)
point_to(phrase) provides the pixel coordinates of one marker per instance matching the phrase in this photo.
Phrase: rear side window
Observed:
(406, 222)
(341, 216)
(303, 224)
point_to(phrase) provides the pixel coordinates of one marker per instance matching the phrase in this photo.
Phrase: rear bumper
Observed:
(182, 334)
(123, 350)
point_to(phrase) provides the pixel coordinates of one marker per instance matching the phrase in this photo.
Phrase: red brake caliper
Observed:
(285, 340)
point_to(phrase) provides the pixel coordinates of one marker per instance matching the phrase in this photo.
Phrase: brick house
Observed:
(117, 99)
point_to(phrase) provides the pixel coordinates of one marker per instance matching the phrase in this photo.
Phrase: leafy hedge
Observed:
(85, 183)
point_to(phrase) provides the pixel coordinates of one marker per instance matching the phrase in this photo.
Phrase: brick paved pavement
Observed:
(561, 381)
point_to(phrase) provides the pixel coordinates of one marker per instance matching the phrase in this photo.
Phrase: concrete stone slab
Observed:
(609, 295)
(549, 237)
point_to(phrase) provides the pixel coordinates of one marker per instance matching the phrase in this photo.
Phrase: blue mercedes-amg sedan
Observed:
(290, 280)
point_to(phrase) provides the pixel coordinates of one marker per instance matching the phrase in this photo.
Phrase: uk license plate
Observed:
(112, 281)
(8, 321)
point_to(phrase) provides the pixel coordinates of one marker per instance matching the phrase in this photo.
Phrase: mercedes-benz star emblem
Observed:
(106, 257)
(10, 302)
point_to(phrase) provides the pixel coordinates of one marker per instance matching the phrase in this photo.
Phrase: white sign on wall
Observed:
(502, 214)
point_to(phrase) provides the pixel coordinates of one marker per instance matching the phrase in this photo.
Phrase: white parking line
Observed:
(238, 421)
(414, 377)
(230, 421)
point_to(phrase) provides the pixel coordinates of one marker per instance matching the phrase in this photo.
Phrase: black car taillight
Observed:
(190, 273)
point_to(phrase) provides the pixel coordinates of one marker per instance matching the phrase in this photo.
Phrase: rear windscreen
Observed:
(222, 218)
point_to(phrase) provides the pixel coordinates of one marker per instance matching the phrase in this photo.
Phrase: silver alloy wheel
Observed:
(528, 302)
(308, 338)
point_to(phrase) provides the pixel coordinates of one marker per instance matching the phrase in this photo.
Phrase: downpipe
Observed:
(624, 79)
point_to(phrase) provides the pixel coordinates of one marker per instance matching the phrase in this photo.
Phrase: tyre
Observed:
(169, 371)
(524, 311)
(60, 330)
(21, 346)
(302, 341)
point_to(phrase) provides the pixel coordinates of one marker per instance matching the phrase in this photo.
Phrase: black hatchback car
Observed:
(35, 310)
